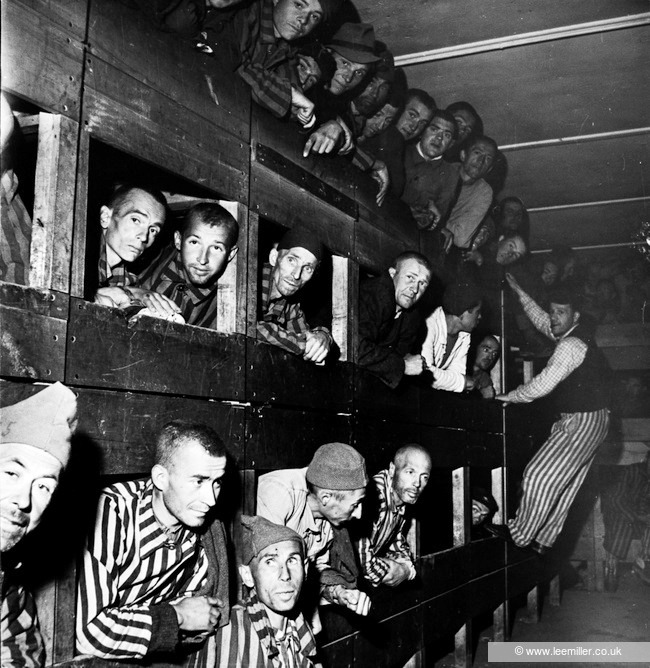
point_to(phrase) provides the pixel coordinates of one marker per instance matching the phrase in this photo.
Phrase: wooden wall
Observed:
(101, 73)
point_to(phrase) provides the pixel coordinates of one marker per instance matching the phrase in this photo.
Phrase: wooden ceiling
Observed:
(563, 86)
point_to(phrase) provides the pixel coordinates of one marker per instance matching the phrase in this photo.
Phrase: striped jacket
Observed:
(118, 276)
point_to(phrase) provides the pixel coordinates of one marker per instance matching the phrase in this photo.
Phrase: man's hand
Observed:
(302, 107)
(317, 346)
(113, 296)
(473, 256)
(198, 613)
(448, 239)
(325, 139)
(159, 304)
(379, 173)
(414, 365)
(348, 138)
(512, 282)
(469, 384)
(502, 397)
(398, 572)
(353, 599)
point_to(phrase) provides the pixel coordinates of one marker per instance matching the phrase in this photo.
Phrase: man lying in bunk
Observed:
(448, 336)
(291, 265)
(34, 450)
(189, 270)
(154, 581)
(389, 320)
(315, 501)
(266, 628)
(385, 555)
(265, 30)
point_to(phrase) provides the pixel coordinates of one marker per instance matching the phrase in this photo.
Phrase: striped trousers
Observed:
(554, 475)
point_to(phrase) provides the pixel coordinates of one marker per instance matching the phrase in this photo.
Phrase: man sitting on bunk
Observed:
(291, 265)
(189, 270)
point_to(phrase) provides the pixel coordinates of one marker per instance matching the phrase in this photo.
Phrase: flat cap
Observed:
(258, 533)
(337, 466)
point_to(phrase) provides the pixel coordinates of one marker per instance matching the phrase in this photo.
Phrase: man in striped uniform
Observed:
(155, 574)
(291, 265)
(266, 629)
(34, 449)
(577, 377)
(384, 554)
(188, 271)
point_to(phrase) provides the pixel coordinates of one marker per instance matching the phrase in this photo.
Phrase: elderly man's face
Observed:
(339, 507)
(487, 353)
(132, 226)
(277, 573)
(549, 273)
(510, 250)
(380, 121)
(292, 268)
(347, 75)
(28, 478)
(410, 476)
(411, 279)
(294, 19)
(477, 161)
(372, 97)
(413, 119)
(437, 137)
(190, 484)
(205, 251)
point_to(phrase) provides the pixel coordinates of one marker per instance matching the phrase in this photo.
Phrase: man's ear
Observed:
(391, 469)
(246, 575)
(105, 215)
(324, 496)
(576, 317)
(233, 252)
(178, 239)
(273, 256)
(392, 271)
(463, 155)
(159, 477)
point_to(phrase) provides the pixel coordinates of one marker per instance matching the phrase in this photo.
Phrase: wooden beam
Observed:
(345, 289)
(79, 237)
(461, 504)
(576, 139)
(579, 205)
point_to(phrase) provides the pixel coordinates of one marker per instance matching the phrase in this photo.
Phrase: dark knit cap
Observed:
(337, 466)
(483, 496)
(301, 237)
(461, 297)
(258, 533)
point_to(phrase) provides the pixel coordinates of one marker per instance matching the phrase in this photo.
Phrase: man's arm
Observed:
(452, 378)
(104, 627)
(22, 644)
(537, 315)
(569, 354)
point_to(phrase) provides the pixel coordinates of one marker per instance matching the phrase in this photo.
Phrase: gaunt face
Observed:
(294, 19)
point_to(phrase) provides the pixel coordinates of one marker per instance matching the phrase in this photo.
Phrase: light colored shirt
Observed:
(449, 376)
(471, 207)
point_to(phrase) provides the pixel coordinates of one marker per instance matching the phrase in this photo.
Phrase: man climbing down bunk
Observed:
(577, 376)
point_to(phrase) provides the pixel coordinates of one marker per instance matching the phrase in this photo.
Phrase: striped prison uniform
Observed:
(167, 276)
(387, 540)
(15, 232)
(251, 641)
(117, 276)
(555, 474)
(268, 63)
(283, 323)
(131, 573)
(20, 637)
(626, 512)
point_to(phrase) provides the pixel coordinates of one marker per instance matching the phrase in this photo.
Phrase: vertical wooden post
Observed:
(498, 492)
(554, 590)
(231, 297)
(251, 280)
(532, 601)
(499, 627)
(345, 282)
(463, 646)
(54, 194)
(460, 494)
(79, 238)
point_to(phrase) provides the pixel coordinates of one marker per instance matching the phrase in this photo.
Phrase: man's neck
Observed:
(453, 326)
(164, 517)
(112, 258)
(397, 502)
(466, 178)
(424, 157)
(278, 621)
(312, 502)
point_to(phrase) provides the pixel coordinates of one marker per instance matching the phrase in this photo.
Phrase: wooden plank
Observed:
(448, 446)
(498, 492)
(378, 440)
(33, 68)
(345, 289)
(69, 14)
(141, 121)
(54, 195)
(78, 268)
(207, 85)
(276, 376)
(485, 556)
(375, 249)
(37, 300)
(270, 197)
(393, 216)
(152, 355)
(499, 625)
(252, 263)
(278, 438)
(372, 398)
(484, 449)
(118, 429)
(522, 577)
(486, 593)
(33, 345)
(339, 653)
(463, 646)
(461, 501)
(443, 572)
(455, 409)
(443, 615)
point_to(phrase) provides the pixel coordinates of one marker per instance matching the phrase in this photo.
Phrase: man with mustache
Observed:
(154, 581)
(291, 265)
(188, 272)
(389, 320)
(385, 555)
(431, 183)
(266, 628)
(34, 449)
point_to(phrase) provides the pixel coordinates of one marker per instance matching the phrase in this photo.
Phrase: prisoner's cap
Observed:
(483, 496)
(461, 297)
(301, 237)
(337, 466)
(356, 42)
(258, 533)
(45, 421)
